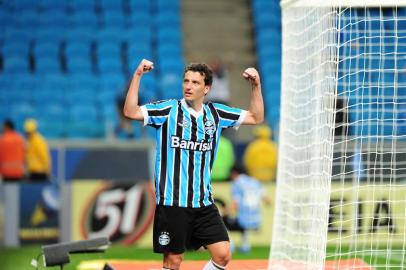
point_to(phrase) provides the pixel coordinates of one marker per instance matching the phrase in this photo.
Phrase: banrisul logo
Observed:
(120, 212)
(177, 142)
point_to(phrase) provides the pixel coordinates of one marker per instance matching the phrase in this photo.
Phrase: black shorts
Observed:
(177, 229)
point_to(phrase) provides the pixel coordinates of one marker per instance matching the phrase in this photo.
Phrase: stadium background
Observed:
(65, 62)
(66, 59)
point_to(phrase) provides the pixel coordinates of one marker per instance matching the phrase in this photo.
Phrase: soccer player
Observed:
(187, 133)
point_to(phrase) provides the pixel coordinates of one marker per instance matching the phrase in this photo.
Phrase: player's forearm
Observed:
(257, 104)
(131, 108)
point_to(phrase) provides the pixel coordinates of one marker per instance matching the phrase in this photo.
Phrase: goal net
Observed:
(341, 185)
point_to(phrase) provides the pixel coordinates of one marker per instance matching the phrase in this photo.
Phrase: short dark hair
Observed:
(203, 69)
(238, 168)
(8, 124)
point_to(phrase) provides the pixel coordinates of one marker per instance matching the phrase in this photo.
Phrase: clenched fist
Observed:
(144, 67)
(251, 75)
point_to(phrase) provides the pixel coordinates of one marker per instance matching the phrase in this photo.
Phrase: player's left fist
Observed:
(251, 75)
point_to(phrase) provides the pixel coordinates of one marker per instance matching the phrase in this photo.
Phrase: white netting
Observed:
(342, 198)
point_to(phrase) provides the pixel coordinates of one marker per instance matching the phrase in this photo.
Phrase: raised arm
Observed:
(255, 114)
(131, 107)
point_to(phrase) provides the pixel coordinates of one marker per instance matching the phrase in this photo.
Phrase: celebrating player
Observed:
(188, 132)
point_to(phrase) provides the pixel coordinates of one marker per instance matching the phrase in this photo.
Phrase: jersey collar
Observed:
(192, 111)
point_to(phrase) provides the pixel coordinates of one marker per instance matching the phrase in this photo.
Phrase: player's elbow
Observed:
(259, 119)
(129, 113)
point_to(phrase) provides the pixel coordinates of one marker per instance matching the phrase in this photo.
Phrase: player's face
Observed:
(193, 86)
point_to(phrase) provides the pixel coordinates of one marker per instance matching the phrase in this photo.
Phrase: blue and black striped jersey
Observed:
(186, 143)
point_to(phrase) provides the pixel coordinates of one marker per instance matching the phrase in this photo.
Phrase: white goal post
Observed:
(341, 184)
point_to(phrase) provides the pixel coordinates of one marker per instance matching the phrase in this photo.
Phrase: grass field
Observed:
(20, 258)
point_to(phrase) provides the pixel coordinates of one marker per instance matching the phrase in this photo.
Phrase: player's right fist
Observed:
(144, 67)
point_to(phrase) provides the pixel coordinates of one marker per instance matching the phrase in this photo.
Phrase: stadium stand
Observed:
(75, 58)
(267, 28)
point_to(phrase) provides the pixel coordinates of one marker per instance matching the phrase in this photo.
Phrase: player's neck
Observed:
(195, 104)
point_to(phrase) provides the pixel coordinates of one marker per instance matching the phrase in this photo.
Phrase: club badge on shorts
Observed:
(164, 239)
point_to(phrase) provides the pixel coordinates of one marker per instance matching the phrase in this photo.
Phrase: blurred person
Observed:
(220, 88)
(224, 160)
(187, 140)
(12, 153)
(38, 156)
(244, 214)
(260, 156)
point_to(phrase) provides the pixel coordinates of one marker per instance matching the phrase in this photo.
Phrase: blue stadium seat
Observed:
(15, 48)
(170, 86)
(47, 65)
(111, 33)
(18, 5)
(164, 5)
(137, 6)
(114, 18)
(54, 18)
(140, 18)
(21, 111)
(52, 5)
(110, 65)
(169, 50)
(84, 122)
(16, 64)
(173, 65)
(107, 5)
(77, 48)
(167, 19)
(79, 65)
(79, 5)
(25, 19)
(81, 34)
(140, 35)
(46, 49)
(110, 48)
(84, 18)
(169, 35)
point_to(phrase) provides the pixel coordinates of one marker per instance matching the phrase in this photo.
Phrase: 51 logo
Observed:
(120, 212)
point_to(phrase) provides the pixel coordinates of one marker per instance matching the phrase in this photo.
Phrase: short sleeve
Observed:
(156, 113)
(229, 116)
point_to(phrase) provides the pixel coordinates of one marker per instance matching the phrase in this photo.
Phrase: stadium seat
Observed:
(79, 5)
(19, 5)
(114, 18)
(15, 48)
(169, 35)
(137, 6)
(170, 86)
(84, 18)
(26, 18)
(46, 49)
(52, 5)
(16, 64)
(168, 19)
(107, 5)
(164, 5)
(47, 65)
(140, 18)
(54, 18)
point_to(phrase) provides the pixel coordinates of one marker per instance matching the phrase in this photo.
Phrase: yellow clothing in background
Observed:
(38, 156)
(261, 155)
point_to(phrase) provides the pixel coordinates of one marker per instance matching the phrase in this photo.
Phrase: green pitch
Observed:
(20, 258)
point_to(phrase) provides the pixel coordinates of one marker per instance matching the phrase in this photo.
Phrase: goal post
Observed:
(341, 183)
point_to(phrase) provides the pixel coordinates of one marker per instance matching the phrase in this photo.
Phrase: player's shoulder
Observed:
(163, 103)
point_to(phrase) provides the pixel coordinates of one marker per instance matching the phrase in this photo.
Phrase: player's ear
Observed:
(207, 89)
